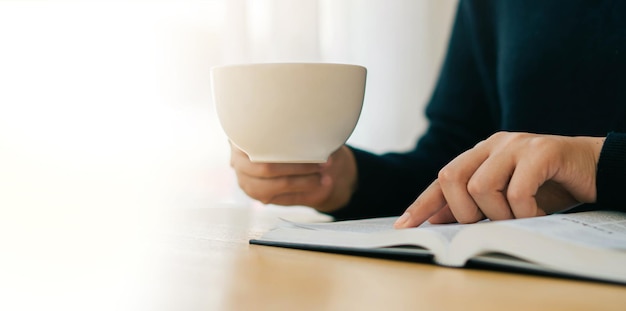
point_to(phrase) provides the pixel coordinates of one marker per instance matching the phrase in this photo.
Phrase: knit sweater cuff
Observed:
(611, 175)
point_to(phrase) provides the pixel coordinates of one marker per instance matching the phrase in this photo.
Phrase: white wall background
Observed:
(106, 117)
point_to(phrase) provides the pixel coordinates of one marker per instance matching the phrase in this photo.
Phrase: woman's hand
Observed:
(325, 187)
(510, 175)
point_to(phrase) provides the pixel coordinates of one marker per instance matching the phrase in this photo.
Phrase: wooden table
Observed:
(210, 266)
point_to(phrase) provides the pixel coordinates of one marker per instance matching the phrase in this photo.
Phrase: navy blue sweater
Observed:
(556, 67)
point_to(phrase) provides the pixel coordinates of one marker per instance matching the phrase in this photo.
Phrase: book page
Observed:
(362, 226)
(375, 233)
(598, 229)
(585, 244)
(374, 225)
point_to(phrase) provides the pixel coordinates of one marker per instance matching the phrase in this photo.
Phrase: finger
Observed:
(443, 216)
(292, 198)
(434, 198)
(312, 198)
(488, 185)
(454, 179)
(426, 205)
(272, 170)
(265, 189)
(528, 176)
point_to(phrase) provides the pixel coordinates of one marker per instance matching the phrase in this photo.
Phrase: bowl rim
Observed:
(280, 64)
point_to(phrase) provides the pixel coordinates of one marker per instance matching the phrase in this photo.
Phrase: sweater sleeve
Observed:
(611, 174)
(488, 84)
(459, 116)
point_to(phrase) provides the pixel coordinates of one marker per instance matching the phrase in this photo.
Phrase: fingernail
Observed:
(400, 221)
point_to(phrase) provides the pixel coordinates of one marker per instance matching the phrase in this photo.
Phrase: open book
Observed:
(590, 245)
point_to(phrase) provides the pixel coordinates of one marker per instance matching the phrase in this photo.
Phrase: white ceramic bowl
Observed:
(288, 112)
